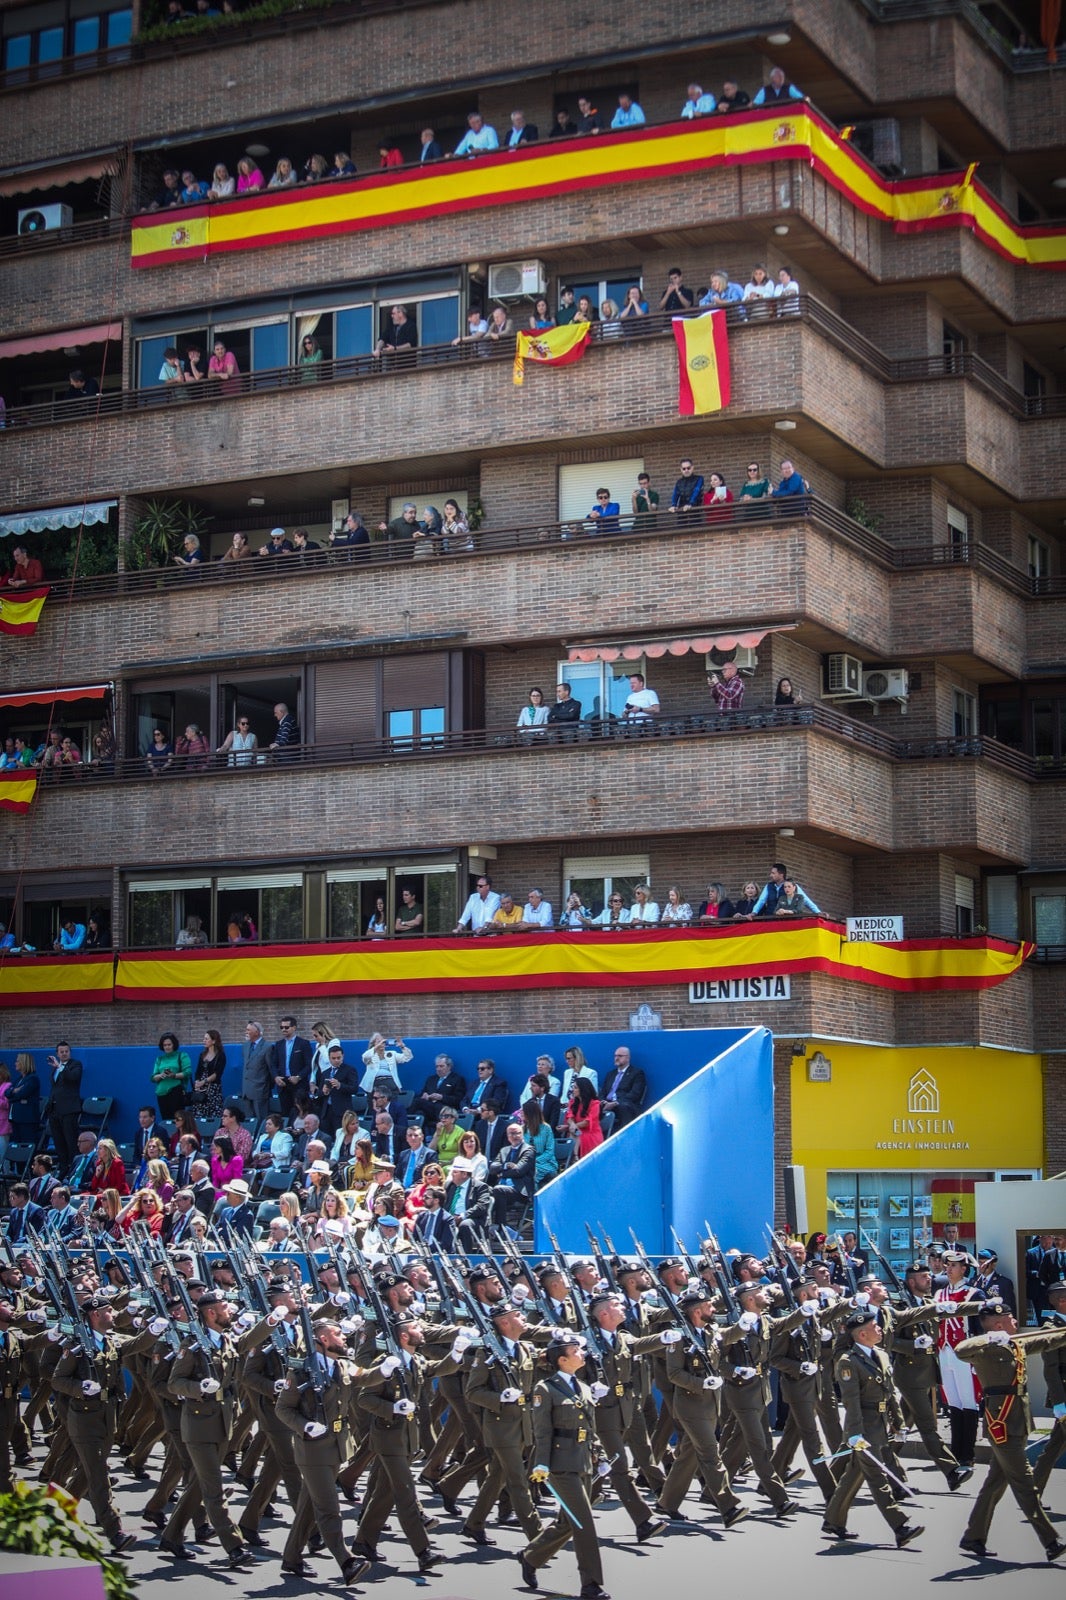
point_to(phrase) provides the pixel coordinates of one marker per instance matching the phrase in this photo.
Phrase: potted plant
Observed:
(43, 1521)
(159, 530)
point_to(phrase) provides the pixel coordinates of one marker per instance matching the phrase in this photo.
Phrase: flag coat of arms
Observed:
(20, 609)
(554, 347)
(702, 363)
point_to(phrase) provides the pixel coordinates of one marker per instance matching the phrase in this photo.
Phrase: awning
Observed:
(655, 649)
(57, 177)
(56, 517)
(46, 697)
(99, 333)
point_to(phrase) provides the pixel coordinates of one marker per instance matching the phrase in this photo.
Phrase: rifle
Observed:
(432, 1262)
(197, 1331)
(722, 1277)
(584, 1321)
(889, 1271)
(782, 1263)
(696, 1336)
(490, 1339)
(386, 1332)
(603, 1266)
(312, 1362)
(848, 1269)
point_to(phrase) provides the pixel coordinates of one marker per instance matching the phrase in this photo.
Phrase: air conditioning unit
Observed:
(885, 683)
(742, 655)
(511, 280)
(843, 678)
(45, 219)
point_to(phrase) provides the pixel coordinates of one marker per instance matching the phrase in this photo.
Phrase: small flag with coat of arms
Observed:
(553, 347)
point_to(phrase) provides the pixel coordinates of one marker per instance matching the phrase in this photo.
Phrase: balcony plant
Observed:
(256, 11)
(860, 512)
(158, 531)
(43, 1521)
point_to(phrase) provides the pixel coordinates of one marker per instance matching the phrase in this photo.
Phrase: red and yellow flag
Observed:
(17, 790)
(19, 611)
(555, 347)
(702, 363)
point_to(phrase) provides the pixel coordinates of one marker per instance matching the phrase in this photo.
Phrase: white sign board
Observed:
(716, 991)
(874, 930)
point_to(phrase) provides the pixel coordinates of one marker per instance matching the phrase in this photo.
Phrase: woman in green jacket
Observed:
(171, 1076)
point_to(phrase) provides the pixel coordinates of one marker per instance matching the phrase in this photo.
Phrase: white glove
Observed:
(520, 1293)
(748, 1320)
(713, 1381)
(458, 1350)
(509, 1396)
(825, 1295)
(403, 1408)
(314, 1430)
(808, 1308)
(36, 1316)
(745, 1372)
(338, 1299)
(1059, 1411)
(923, 1342)
(599, 1390)
(351, 1324)
(389, 1366)
(280, 1385)
(53, 1336)
(670, 1336)
(856, 1438)
(997, 1336)
(603, 1469)
(158, 1325)
(209, 1386)
(277, 1316)
(247, 1319)
(860, 1299)
(809, 1368)
(90, 1389)
(827, 1335)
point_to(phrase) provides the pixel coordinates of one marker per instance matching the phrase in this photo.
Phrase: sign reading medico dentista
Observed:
(717, 991)
(874, 930)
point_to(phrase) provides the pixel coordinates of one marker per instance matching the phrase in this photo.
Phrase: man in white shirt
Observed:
(481, 907)
(479, 136)
(643, 703)
(536, 913)
(698, 104)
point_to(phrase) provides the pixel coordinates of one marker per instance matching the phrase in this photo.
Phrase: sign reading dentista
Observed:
(874, 930)
(948, 1108)
(716, 991)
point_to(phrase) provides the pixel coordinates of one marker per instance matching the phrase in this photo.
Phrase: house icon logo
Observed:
(923, 1095)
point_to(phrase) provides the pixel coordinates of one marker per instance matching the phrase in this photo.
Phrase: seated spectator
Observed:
(628, 115)
(280, 545)
(144, 1207)
(26, 570)
(758, 288)
(456, 535)
(387, 1234)
(343, 165)
(191, 554)
(512, 1173)
(470, 1150)
(334, 1208)
(778, 91)
(159, 1180)
(193, 189)
(565, 127)
(222, 368)
(409, 918)
(347, 1136)
(540, 1136)
(634, 307)
(184, 1120)
(536, 913)
(606, 512)
(698, 104)
(545, 1088)
(155, 1149)
(389, 155)
(193, 749)
(785, 695)
(588, 119)
(676, 912)
(727, 691)
(613, 915)
(284, 175)
(522, 132)
(358, 1174)
(716, 908)
(444, 1087)
(541, 319)
(644, 912)
(507, 918)
(585, 310)
(718, 493)
(567, 307)
(790, 483)
(383, 1058)
(488, 1089)
(249, 177)
(642, 704)
(792, 902)
(476, 328)
(109, 1171)
(581, 1122)
(478, 137)
(677, 296)
(279, 1239)
(169, 195)
(786, 293)
(757, 486)
(732, 97)
(401, 336)
(225, 1163)
(534, 714)
(240, 745)
(430, 1177)
(723, 292)
(81, 387)
(71, 936)
(316, 169)
(159, 757)
(352, 533)
(222, 185)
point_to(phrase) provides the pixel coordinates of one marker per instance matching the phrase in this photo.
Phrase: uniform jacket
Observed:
(564, 1435)
(503, 1423)
(871, 1404)
(1001, 1371)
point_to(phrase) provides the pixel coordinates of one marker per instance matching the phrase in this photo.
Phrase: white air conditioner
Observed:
(885, 683)
(511, 280)
(843, 678)
(45, 219)
(742, 655)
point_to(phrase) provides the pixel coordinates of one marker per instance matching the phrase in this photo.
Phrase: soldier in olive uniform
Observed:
(998, 1356)
(176, 1463)
(1055, 1379)
(314, 1407)
(262, 1380)
(745, 1348)
(796, 1354)
(693, 1368)
(565, 1452)
(913, 1353)
(871, 1413)
(501, 1393)
(11, 1378)
(616, 1357)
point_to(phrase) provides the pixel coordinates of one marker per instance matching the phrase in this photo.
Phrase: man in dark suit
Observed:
(290, 1064)
(23, 1215)
(42, 1179)
(147, 1128)
(63, 1108)
(431, 150)
(624, 1089)
(380, 1103)
(468, 1204)
(1034, 1260)
(444, 1087)
(522, 132)
(176, 1226)
(512, 1174)
(202, 1187)
(492, 1132)
(550, 1104)
(181, 1165)
(993, 1284)
(256, 1080)
(433, 1224)
(411, 1161)
(334, 1089)
(235, 1217)
(489, 1088)
(84, 1165)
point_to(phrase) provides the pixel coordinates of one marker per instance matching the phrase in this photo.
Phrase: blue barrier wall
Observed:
(668, 1058)
(704, 1153)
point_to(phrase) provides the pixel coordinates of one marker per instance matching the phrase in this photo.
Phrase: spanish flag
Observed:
(555, 347)
(702, 363)
(19, 611)
(17, 790)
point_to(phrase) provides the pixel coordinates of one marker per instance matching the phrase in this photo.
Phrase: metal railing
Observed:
(75, 234)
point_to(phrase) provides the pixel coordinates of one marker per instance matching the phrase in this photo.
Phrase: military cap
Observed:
(195, 1283)
(548, 1269)
(175, 1304)
(503, 1308)
(987, 1255)
(404, 1319)
(583, 1264)
(603, 1298)
(182, 1255)
(213, 1297)
(955, 1255)
(482, 1273)
(97, 1302)
(748, 1288)
(808, 1283)
(511, 1270)
(278, 1286)
(562, 1342)
(670, 1261)
(389, 1280)
(867, 1279)
(1056, 1286)
(859, 1319)
(992, 1308)
(693, 1297)
(915, 1266)
(624, 1265)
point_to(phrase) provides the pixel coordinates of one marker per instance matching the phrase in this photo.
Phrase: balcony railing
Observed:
(594, 734)
(76, 234)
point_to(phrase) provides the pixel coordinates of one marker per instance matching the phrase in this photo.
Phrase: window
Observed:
(1039, 558)
(435, 497)
(171, 710)
(600, 289)
(421, 725)
(353, 894)
(964, 714)
(601, 686)
(1049, 918)
(964, 904)
(158, 908)
(578, 485)
(47, 33)
(1034, 384)
(596, 878)
(273, 901)
(1001, 904)
(958, 527)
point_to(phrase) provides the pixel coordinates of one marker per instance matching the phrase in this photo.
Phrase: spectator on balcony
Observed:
(534, 714)
(159, 757)
(676, 912)
(688, 489)
(431, 150)
(610, 324)
(69, 754)
(400, 336)
(72, 934)
(722, 292)
(572, 916)
(522, 132)
(773, 890)
(537, 916)
(785, 695)
(792, 902)
(26, 570)
(194, 372)
(758, 288)
(716, 908)
(481, 906)
(476, 328)
(645, 502)
(284, 175)
(287, 733)
(169, 195)
(698, 104)
(316, 169)
(400, 532)
(238, 548)
(778, 91)
(541, 319)
(223, 369)
(192, 936)
(567, 307)
(455, 530)
(642, 704)
(193, 189)
(389, 155)
(718, 494)
(249, 177)
(644, 912)
(786, 293)
(605, 513)
(351, 534)
(790, 483)
(589, 119)
(81, 387)
(732, 97)
(507, 918)
(757, 485)
(565, 127)
(9, 761)
(409, 918)
(744, 905)
(240, 745)
(585, 311)
(501, 326)
(634, 308)
(191, 554)
(343, 165)
(628, 115)
(677, 296)
(280, 544)
(727, 691)
(172, 370)
(613, 916)
(222, 185)
(378, 923)
(25, 755)
(302, 543)
(566, 709)
(478, 137)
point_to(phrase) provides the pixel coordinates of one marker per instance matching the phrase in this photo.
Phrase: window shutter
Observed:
(414, 681)
(346, 702)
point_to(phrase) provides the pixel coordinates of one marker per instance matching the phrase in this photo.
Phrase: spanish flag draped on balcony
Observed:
(17, 790)
(702, 363)
(555, 347)
(19, 612)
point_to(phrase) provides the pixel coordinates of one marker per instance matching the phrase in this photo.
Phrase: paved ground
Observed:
(792, 1557)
